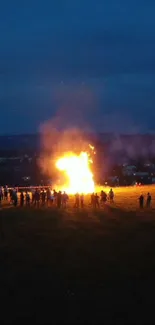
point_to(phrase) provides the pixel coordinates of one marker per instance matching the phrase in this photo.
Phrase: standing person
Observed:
(43, 197)
(52, 198)
(82, 200)
(59, 199)
(96, 201)
(48, 197)
(93, 200)
(148, 200)
(15, 198)
(6, 193)
(141, 201)
(21, 199)
(37, 198)
(1, 196)
(33, 196)
(11, 195)
(64, 199)
(103, 197)
(77, 200)
(27, 199)
(1, 193)
(111, 196)
(55, 194)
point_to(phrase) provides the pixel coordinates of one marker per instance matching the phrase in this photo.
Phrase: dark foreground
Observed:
(76, 267)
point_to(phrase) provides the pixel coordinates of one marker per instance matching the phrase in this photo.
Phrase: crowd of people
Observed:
(48, 197)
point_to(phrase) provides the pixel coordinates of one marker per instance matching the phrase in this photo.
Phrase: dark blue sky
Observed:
(84, 60)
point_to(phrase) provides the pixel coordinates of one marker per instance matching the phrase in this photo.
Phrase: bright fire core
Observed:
(78, 173)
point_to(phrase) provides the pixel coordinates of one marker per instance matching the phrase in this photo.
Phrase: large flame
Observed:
(78, 172)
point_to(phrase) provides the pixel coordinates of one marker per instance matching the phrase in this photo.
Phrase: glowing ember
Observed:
(77, 170)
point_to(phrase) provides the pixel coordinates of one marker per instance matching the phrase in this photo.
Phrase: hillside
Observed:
(8, 142)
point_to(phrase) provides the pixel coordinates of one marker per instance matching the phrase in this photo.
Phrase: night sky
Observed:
(79, 60)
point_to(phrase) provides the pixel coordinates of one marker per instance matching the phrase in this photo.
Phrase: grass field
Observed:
(79, 267)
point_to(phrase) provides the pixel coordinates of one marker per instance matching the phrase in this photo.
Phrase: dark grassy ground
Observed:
(77, 267)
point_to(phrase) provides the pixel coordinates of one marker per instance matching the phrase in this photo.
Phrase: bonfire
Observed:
(77, 171)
